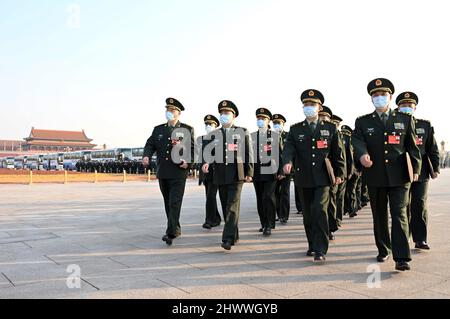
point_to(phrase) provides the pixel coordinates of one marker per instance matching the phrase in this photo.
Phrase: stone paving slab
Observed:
(113, 231)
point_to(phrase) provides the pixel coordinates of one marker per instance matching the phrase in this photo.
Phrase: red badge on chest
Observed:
(419, 141)
(322, 144)
(394, 139)
(232, 147)
(267, 148)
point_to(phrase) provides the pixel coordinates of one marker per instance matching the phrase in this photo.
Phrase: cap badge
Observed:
(378, 82)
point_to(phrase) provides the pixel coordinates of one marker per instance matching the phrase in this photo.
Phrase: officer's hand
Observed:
(145, 161)
(280, 177)
(415, 177)
(338, 181)
(434, 175)
(365, 161)
(205, 168)
(287, 169)
(248, 179)
(184, 165)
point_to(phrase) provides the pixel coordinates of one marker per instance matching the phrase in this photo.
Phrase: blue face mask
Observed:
(261, 123)
(169, 116)
(225, 119)
(310, 111)
(380, 102)
(277, 127)
(407, 110)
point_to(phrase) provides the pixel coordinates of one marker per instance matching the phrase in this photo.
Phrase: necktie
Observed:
(312, 125)
(384, 118)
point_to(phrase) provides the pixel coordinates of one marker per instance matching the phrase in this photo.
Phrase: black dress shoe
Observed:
(299, 212)
(227, 245)
(402, 266)
(215, 225)
(267, 231)
(207, 226)
(168, 240)
(422, 245)
(318, 257)
(353, 214)
(283, 221)
(309, 253)
(261, 230)
(363, 204)
(331, 236)
(382, 259)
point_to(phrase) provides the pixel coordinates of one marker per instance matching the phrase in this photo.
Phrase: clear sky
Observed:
(107, 66)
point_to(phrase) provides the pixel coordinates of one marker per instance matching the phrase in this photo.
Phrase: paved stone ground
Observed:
(113, 233)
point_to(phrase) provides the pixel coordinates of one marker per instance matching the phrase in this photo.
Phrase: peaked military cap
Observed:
(407, 97)
(380, 84)
(346, 129)
(279, 117)
(335, 118)
(326, 111)
(312, 95)
(211, 119)
(264, 112)
(228, 106)
(171, 102)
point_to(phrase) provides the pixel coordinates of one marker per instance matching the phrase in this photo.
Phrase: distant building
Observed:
(10, 147)
(56, 141)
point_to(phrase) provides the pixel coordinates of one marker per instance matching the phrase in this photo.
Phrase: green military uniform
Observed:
(212, 218)
(341, 188)
(265, 172)
(230, 171)
(310, 147)
(350, 204)
(333, 223)
(429, 152)
(283, 189)
(386, 141)
(172, 178)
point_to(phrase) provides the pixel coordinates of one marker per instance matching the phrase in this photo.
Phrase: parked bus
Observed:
(19, 162)
(53, 161)
(71, 159)
(31, 162)
(9, 162)
(137, 153)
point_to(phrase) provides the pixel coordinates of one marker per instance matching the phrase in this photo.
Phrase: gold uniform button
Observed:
(387, 161)
(313, 139)
(314, 155)
(385, 134)
(313, 164)
(313, 147)
(385, 143)
(385, 152)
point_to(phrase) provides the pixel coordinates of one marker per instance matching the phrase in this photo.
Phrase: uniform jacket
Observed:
(387, 147)
(310, 149)
(162, 141)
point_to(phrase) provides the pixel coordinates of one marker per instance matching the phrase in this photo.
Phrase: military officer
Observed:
(407, 103)
(283, 188)
(340, 193)
(319, 163)
(232, 165)
(265, 169)
(382, 141)
(213, 218)
(350, 205)
(174, 145)
(325, 115)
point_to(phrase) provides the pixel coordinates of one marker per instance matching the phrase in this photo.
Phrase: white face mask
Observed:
(209, 129)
